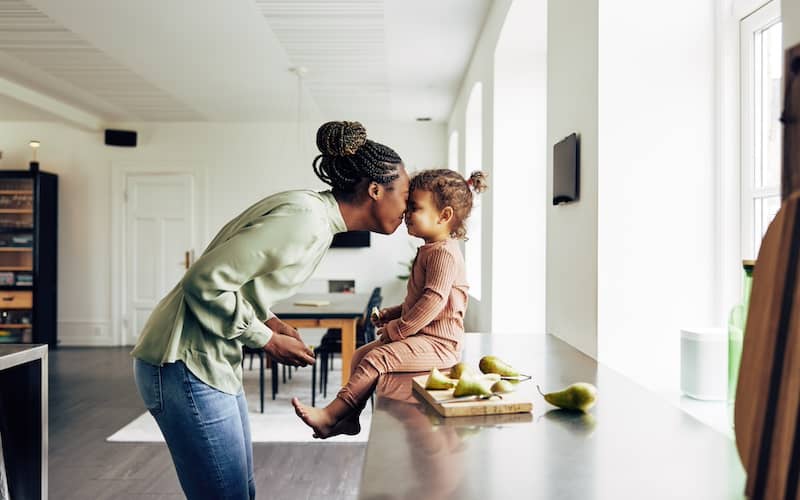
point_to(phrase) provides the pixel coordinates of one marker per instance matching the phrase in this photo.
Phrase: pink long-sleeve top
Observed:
(436, 297)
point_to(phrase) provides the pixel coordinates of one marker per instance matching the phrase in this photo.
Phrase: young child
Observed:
(427, 330)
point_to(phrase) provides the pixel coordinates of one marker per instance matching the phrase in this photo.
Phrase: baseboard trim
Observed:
(85, 333)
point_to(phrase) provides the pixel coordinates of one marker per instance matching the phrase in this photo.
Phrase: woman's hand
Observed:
(282, 328)
(286, 349)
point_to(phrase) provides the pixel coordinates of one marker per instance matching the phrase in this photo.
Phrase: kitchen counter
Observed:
(23, 418)
(631, 445)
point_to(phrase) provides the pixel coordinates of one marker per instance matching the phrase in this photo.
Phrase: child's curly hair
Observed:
(450, 189)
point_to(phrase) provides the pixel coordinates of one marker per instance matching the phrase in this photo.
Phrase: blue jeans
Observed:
(207, 431)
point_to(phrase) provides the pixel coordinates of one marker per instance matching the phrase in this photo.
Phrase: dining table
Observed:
(326, 310)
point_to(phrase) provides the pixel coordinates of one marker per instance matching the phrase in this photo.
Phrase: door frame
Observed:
(120, 172)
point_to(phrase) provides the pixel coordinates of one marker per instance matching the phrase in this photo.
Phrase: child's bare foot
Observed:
(349, 425)
(316, 418)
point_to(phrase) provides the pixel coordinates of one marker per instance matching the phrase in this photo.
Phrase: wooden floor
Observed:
(92, 395)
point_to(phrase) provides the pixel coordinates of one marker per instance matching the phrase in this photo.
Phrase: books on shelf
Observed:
(11, 278)
(16, 201)
(21, 240)
(24, 279)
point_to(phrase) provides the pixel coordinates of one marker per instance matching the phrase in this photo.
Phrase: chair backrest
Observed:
(369, 329)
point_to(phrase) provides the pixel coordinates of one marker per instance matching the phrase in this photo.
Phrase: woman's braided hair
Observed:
(348, 157)
(450, 189)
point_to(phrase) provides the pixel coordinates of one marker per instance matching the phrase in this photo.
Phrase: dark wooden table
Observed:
(632, 445)
(343, 312)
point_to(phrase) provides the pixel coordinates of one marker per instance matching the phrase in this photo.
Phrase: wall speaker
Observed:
(124, 138)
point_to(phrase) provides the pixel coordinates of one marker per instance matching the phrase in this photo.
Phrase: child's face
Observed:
(423, 217)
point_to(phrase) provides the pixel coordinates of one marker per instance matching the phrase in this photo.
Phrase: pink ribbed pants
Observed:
(414, 354)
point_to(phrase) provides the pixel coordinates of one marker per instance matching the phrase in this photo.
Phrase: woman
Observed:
(188, 357)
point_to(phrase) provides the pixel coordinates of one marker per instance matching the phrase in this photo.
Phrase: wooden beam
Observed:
(66, 112)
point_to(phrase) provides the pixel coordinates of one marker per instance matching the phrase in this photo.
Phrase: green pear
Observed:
(502, 387)
(493, 364)
(578, 396)
(470, 386)
(460, 369)
(438, 381)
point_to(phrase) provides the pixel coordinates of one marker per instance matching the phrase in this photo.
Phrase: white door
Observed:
(158, 243)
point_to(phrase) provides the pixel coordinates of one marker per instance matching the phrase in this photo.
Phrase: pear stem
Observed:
(538, 389)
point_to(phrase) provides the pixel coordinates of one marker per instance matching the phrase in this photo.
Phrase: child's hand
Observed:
(377, 317)
(382, 337)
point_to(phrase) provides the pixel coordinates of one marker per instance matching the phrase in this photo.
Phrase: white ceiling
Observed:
(228, 60)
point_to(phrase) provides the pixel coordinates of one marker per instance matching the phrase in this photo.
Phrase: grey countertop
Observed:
(631, 445)
(16, 354)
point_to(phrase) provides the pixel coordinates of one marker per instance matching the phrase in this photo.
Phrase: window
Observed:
(473, 161)
(761, 76)
(452, 153)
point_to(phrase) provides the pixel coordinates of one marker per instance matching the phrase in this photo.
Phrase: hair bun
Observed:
(477, 181)
(341, 138)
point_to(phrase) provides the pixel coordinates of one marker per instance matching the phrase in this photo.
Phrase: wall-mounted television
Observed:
(566, 170)
(351, 239)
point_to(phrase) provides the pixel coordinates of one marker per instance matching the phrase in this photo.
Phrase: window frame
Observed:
(751, 28)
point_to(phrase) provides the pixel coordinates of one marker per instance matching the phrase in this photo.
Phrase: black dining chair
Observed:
(261, 359)
(331, 344)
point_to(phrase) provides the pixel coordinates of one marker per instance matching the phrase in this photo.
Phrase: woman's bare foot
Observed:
(317, 418)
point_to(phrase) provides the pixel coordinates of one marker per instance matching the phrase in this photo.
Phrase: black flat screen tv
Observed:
(351, 239)
(566, 170)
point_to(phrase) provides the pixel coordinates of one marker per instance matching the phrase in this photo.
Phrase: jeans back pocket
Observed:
(148, 381)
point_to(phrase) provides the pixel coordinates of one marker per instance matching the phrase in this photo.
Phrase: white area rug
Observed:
(278, 423)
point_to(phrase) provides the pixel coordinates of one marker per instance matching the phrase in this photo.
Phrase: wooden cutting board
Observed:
(767, 411)
(513, 402)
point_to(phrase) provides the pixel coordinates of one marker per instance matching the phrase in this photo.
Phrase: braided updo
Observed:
(348, 157)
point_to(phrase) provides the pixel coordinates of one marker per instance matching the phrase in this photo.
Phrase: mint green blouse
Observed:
(259, 258)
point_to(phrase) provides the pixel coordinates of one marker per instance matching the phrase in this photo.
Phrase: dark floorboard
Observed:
(92, 395)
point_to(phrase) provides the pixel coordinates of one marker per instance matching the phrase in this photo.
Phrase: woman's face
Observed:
(390, 206)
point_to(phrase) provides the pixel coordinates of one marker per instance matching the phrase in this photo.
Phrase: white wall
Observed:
(237, 163)
(481, 69)
(656, 183)
(520, 170)
(790, 12)
(572, 76)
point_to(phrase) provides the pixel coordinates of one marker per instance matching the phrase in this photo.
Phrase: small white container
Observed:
(704, 363)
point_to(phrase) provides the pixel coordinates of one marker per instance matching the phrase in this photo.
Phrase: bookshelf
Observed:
(28, 254)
